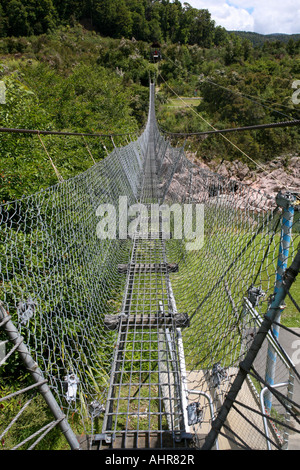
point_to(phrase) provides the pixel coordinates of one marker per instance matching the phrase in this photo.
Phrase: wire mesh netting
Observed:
(140, 337)
(226, 288)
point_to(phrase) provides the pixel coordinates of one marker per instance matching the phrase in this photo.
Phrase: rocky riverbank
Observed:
(282, 173)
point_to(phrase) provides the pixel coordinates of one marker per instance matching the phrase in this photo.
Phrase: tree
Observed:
(155, 11)
(220, 36)
(17, 19)
(186, 20)
(234, 50)
(169, 20)
(105, 12)
(29, 17)
(140, 26)
(291, 47)
(3, 23)
(202, 28)
(123, 20)
(41, 15)
(69, 9)
(113, 18)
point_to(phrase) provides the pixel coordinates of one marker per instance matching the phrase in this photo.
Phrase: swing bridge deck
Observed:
(174, 349)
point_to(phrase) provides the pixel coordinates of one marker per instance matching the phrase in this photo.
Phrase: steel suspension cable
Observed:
(271, 125)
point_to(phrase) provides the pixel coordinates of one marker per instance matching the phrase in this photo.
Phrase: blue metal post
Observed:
(286, 201)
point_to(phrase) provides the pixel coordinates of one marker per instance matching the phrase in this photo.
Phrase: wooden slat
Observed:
(112, 322)
(148, 267)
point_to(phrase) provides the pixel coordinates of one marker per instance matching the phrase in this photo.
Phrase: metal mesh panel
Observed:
(218, 285)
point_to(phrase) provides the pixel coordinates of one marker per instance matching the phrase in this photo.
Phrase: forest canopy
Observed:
(145, 20)
(84, 66)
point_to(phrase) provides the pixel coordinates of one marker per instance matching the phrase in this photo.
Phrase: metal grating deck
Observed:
(144, 403)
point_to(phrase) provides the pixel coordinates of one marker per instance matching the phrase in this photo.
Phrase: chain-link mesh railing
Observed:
(58, 279)
(61, 282)
(226, 287)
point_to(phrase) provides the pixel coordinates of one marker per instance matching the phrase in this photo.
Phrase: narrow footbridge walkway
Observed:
(145, 404)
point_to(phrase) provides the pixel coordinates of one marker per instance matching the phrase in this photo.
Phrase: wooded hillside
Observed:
(76, 79)
(146, 20)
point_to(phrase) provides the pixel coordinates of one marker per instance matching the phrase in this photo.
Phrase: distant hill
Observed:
(259, 39)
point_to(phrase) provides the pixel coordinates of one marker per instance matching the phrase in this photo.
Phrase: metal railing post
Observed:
(286, 201)
(262, 404)
(38, 377)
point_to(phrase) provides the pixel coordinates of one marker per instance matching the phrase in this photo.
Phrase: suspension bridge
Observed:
(136, 341)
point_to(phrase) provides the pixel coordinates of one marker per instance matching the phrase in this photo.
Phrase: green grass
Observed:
(184, 102)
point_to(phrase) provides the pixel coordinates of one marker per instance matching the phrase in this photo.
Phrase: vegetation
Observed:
(61, 76)
(146, 20)
(238, 85)
(67, 80)
(84, 66)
